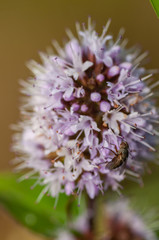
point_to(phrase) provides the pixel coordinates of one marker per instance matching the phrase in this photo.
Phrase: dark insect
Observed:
(120, 156)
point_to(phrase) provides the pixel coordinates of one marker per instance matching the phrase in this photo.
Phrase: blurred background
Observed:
(28, 26)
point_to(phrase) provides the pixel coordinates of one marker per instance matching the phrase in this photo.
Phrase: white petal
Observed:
(90, 187)
(86, 65)
(108, 61)
(86, 165)
(68, 92)
(76, 75)
(58, 164)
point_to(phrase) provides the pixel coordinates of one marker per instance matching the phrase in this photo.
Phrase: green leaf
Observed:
(20, 201)
(155, 4)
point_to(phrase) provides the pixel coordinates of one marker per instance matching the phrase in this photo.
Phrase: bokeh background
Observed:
(28, 26)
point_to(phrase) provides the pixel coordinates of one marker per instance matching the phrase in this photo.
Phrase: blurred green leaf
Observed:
(20, 201)
(155, 4)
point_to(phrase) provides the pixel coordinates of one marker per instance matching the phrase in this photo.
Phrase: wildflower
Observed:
(79, 108)
(117, 220)
(121, 222)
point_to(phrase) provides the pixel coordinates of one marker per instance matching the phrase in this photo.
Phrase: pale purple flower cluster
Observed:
(79, 108)
(124, 223)
(118, 221)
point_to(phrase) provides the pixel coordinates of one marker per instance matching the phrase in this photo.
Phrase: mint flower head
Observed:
(123, 223)
(87, 120)
(118, 221)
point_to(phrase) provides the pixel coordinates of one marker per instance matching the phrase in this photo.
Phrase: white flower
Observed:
(113, 119)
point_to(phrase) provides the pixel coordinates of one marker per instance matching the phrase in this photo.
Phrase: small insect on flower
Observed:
(120, 156)
(85, 109)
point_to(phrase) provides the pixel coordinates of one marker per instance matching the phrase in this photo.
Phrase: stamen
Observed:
(137, 135)
(105, 29)
(89, 24)
(147, 145)
(69, 33)
(134, 68)
(79, 135)
(132, 83)
(124, 43)
(136, 175)
(58, 48)
(35, 184)
(43, 192)
(154, 85)
(119, 108)
(154, 121)
(143, 129)
(146, 77)
(127, 124)
(146, 97)
(56, 201)
(156, 132)
(141, 57)
(26, 176)
(79, 197)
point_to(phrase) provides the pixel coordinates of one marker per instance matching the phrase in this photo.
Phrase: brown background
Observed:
(27, 26)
